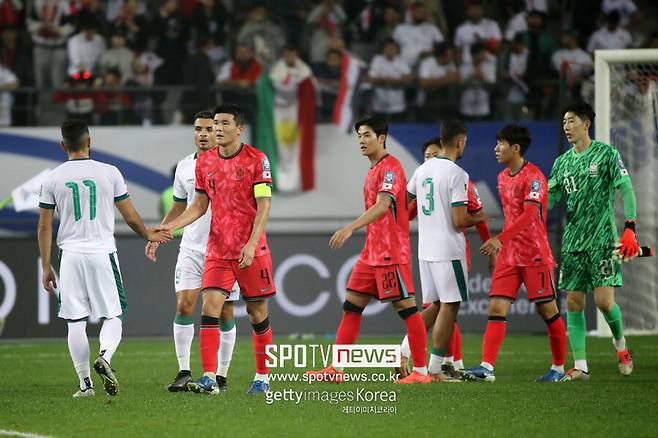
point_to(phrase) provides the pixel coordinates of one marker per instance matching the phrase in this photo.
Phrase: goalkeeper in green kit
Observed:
(586, 176)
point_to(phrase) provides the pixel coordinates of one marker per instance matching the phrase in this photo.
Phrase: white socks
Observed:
(79, 350)
(264, 377)
(404, 347)
(435, 364)
(620, 344)
(225, 352)
(558, 368)
(183, 337)
(581, 365)
(109, 338)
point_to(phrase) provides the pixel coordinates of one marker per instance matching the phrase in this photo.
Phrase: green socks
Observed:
(576, 330)
(614, 322)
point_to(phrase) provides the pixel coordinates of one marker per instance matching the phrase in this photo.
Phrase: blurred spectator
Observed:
(119, 56)
(572, 63)
(198, 73)
(240, 75)
(145, 111)
(325, 20)
(171, 35)
(113, 8)
(131, 23)
(477, 78)
(517, 22)
(417, 37)
(610, 36)
(50, 27)
(293, 15)
(113, 105)
(82, 11)
(8, 81)
(10, 13)
(438, 77)
(389, 74)
(263, 35)
(476, 29)
(517, 91)
(86, 48)
(627, 10)
(286, 74)
(209, 19)
(78, 97)
(392, 18)
(541, 46)
(328, 76)
(537, 5)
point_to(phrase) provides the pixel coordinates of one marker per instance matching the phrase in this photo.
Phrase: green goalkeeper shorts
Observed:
(584, 271)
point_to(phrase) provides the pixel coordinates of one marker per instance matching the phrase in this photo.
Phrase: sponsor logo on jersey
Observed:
(535, 186)
(389, 179)
(266, 164)
(593, 170)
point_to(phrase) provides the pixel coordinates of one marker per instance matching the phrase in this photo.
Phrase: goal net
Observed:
(626, 100)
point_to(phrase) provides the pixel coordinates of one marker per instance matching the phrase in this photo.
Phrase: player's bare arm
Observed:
(134, 221)
(193, 212)
(263, 205)
(45, 237)
(372, 214)
(176, 210)
(491, 247)
(461, 218)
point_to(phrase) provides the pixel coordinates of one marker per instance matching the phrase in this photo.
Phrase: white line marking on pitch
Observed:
(22, 434)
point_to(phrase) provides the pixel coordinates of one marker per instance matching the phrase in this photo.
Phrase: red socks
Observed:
(417, 339)
(456, 344)
(262, 336)
(209, 343)
(493, 338)
(349, 327)
(557, 336)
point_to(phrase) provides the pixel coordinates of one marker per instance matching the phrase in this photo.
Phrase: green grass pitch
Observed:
(37, 381)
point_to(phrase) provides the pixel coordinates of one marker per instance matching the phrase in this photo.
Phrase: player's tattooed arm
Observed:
(372, 214)
(263, 205)
(45, 237)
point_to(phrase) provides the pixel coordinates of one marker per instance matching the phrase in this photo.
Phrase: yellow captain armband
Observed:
(262, 190)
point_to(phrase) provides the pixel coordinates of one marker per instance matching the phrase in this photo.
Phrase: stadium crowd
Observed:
(159, 61)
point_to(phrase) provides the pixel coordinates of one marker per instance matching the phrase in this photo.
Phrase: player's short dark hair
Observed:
(515, 134)
(451, 129)
(74, 134)
(582, 109)
(204, 115)
(430, 142)
(377, 124)
(231, 108)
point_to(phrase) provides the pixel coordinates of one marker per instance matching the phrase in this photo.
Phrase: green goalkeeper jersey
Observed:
(588, 180)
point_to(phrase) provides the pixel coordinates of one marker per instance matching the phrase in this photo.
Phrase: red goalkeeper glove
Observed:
(627, 248)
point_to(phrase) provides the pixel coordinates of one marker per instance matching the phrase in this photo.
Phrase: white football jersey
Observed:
(84, 192)
(439, 185)
(195, 235)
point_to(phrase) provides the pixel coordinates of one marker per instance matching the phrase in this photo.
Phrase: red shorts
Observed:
(538, 280)
(386, 283)
(256, 281)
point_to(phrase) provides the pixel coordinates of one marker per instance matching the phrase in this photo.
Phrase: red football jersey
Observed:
(530, 246)
(387, 238)
(473, 205)
(229, 183)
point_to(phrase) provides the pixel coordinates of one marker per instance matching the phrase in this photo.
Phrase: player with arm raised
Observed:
(525, 256)
(383, 270)
(85, 191)
(190, 263)
(235, 180)
(587, 176)
(453, 361)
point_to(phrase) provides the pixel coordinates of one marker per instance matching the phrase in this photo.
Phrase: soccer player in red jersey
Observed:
(383, 270)
(524, 255)
(453, 361)
(235, 178)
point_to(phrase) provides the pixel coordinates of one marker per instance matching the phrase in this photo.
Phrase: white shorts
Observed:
(445, 282)
(90, 285)
(189, 272)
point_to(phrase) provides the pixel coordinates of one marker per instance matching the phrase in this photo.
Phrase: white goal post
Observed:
(626, 106)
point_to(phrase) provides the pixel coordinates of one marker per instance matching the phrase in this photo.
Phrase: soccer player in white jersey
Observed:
(190, 263)
(440, 188)
(84, 192)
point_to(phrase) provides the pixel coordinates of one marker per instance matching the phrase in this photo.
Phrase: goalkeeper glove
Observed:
(627, 248)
